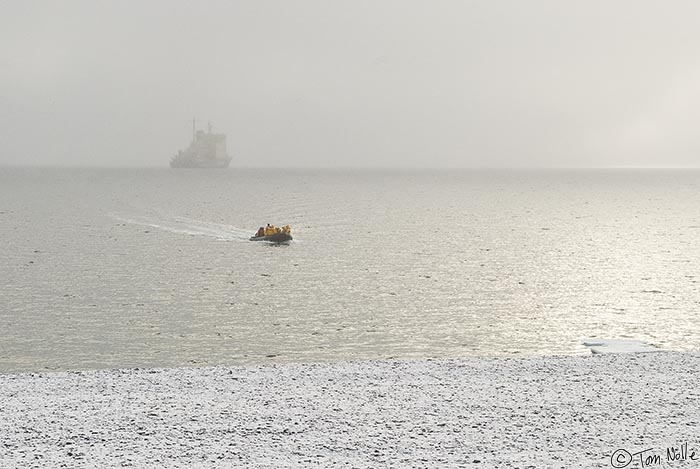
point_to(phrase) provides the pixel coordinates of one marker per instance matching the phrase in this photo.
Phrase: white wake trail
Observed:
(187, 226)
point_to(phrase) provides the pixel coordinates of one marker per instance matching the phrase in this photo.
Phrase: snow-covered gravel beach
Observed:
(474, 412)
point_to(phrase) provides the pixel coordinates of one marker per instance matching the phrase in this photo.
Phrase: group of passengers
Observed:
(270, 230)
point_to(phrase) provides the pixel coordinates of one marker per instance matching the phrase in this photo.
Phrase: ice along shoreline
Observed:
(561, 411)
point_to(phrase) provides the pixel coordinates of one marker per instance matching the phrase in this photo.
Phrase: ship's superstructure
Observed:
(207, 150)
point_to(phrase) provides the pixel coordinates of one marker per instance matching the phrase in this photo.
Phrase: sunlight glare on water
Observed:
(117, 268)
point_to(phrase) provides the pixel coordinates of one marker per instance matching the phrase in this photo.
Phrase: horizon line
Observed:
(360, 168)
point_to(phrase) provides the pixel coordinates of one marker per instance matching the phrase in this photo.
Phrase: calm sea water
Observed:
(121, 268)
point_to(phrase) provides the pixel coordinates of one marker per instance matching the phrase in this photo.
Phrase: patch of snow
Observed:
(573, 412)
(601, 346)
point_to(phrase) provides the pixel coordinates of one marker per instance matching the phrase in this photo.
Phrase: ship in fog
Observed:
(207, 150)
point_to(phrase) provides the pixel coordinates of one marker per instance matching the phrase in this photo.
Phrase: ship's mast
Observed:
(193, 129)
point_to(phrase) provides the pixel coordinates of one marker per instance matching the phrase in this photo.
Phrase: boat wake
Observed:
(187, 226)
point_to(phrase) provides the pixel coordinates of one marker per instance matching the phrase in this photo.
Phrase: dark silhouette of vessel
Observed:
(207, 150)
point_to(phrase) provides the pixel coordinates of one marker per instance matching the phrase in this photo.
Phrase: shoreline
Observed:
(553, 411)
(281, 361)
(593, 346)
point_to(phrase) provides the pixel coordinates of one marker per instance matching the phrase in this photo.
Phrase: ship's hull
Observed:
(275, 238)
(200, 164)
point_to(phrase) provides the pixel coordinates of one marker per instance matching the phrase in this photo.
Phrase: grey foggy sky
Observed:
(353, 83)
